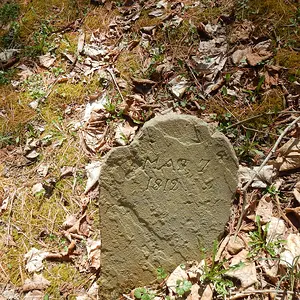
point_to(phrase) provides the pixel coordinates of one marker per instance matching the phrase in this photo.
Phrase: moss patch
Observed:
(290, 59)
(129, 63)
(99, 18)
(16, 111)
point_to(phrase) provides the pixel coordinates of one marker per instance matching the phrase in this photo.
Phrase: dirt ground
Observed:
(78, 78)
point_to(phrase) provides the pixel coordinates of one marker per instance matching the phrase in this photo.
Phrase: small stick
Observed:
(282, 214)
(196, 81)
(9, 214)
(237, 295)
(5, 276)
(244, 121)
(115, 82)
(21, 273)
(255, 173)
(261, 115)
(126, 297)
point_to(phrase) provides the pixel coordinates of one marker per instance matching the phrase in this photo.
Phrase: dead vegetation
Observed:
(65, 101)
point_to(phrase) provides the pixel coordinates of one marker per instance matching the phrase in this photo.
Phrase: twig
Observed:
(20, 271)
(244, 121)
(261, 115)
(3, 273)
(196, 81)
(258, 131)
(9, 216)
(282, 214)
(115, 82)
(126, 297)
(50, 89)
(255, 173)
(237, 295)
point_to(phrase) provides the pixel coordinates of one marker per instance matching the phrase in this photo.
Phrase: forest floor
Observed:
(78, 78)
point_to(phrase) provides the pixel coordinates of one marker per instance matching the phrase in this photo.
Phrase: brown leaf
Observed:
(80, 43)
(125, 133)
(94, 252)
(143, 86)
(255, 58)
(296, 191)
(265, 208)
(194, 293)
(47, 60)
(289, 155)
(208, 293)
(245, 274)
(37, 283)
(178, 274)
(34, 295)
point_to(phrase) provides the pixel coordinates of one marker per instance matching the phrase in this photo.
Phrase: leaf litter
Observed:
(219, 64)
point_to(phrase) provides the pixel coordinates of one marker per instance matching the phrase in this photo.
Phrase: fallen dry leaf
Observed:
(32, 154)
(194, 293)
(235, 245)
(252, 55)
(143, 86)
(208, 293)
(264, 209)
(38, 282)
(34, 295)
(246, 274)
(178, 274)
(93, 251)
(34, 260)
(80, 43)
(276, 230)
(125, 133)
(178, 86)
(70, 221)
(66, 171)
(289, 155)
(93, 171)
(8, 54)
(241, 31)
(292, 251)
(265, 177)
(43, 169)
(296, 191)
(270, 266)
(47, 60)
(37, 188)
(3, 203)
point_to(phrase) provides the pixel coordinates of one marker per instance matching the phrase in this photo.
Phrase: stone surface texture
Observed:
(162, 198)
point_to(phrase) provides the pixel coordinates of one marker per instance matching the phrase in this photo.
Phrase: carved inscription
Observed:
(167, 176)
(165, 185)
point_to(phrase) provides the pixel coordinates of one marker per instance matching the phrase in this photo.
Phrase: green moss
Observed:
(58, 12)
(198, 14)
(99, 18)
(64, 277)
(272, 102)
(290, 59)
(144, 21)
(9, 12)
(128, 64)
(16, 111)
(37, 221)
(68, 43)
(277, 18)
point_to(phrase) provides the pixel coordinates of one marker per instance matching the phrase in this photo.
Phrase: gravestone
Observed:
(162, 198)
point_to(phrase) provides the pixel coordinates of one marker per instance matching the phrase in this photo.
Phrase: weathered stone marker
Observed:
(162, 198)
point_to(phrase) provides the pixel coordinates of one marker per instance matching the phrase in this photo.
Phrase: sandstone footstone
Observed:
(162, 198)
